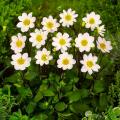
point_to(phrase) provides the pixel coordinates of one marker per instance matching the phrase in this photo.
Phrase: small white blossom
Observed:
(84, 42)
(103, 45)
(68, 17)
(89, 64)
(65, 61)
(26, 22)
(20, 61)
(43, 57)
(38, 38)
(50, 24)
(92, 20)
(61, 41)
(101, 30)
(18, 43)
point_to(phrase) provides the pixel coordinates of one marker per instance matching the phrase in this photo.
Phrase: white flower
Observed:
(101, 30)
(65, 61)
(18, 43)
(20, 61)
(84, 42)
(38, 38)
(26, 22)
(61, 41)
(103, 45)
(89, 64)
(68, 17)
(50, 24)
(43, 57)
(92, 20)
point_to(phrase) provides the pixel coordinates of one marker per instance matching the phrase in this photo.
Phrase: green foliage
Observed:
(18, 116)
(8, 11)
(90, 116)
(114, 90)
(54, 94)
(113, 114)
(99, 86)
(60, 106)
(7, 101)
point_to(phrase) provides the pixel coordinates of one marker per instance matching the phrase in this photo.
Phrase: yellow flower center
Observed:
(21, 61)
(68, 17)
(62, 42)
(19, 43)
(44, 57)
(26, 22)
(39, 38)
(50, 25)
(92, 21)
(102, 45)
(90, 63)
(65, 61)
(84, 42)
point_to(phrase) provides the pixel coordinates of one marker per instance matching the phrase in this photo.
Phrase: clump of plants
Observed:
(54, 62)
(53, 43)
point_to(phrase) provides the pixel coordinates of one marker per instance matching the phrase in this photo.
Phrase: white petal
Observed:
(83, 69)
(19, 25)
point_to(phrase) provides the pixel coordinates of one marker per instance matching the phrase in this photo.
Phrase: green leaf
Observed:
(44, 105)
(85, 118)
(73, 96)
(30, 75)
(15, 78)
(78, 108)
(43, 87)
(38, 96)
(41, 116)
(116, 111)
(103, 100)
(48, 92)
(88, 113)
(2, 71)
(40, 91)
(24, 91)
(99, 86)
(30, 108)
(111, 114)
(65, 114)
(60, 106)
(89, 77)
(84, 93)
(18, 116)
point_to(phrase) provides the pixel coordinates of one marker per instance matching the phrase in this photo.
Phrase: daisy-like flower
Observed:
(101, 30)
(43, 57)
(92, 20)
(68, 17)
(65, 61)
(20, 61)
(89, 64)
(61, 41)
(103, 45)
(38, 38)
(84, 42)
(18, 43)
(26, 22)
(50, 24)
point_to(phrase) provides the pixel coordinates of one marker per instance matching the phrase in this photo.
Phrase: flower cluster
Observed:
(61, 42)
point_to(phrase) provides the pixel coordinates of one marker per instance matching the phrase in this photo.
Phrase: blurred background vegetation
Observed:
(37, 100)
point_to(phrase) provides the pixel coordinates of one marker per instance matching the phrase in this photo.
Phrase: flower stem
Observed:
(39, 69)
